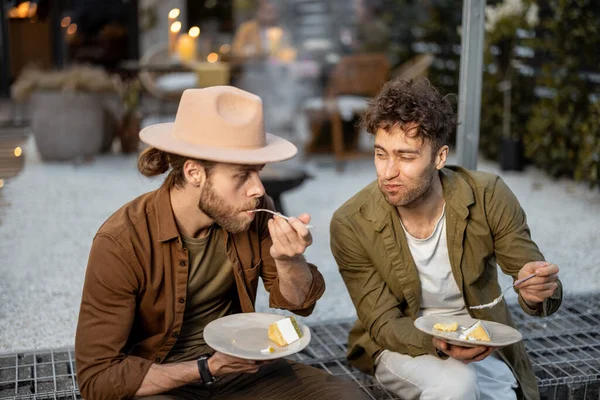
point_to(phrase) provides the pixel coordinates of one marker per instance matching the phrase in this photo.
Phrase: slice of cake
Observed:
(446, 327)
(285, 331)
(477, 331)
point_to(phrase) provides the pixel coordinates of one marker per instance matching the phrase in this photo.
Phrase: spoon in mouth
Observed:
(278, 214)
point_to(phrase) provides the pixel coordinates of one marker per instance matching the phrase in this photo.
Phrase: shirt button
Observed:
(157, 359)
(181, 300)
(182, 263)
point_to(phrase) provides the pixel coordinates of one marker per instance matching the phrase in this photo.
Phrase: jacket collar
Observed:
(458, 195)
(167, 228)
(457, 191)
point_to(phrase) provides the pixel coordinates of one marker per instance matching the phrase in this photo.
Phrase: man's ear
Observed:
(194, 173)
(441, 157)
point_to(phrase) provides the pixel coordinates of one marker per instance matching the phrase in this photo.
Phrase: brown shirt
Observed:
(211, 294)
(135, 291)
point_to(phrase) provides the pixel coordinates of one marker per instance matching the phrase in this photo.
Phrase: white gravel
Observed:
(51, 212)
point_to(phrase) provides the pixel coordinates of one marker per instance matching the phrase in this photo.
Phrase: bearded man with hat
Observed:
(173, 260)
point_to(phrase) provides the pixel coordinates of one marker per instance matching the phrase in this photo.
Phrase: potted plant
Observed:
(69, 110)
(503, 22)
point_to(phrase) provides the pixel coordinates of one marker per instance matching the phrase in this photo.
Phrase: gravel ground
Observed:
(50, 213)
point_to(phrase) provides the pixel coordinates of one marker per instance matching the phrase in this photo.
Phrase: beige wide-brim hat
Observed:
(219, 123)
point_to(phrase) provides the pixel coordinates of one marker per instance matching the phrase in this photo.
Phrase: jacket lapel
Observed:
(458, 196)
(402, 268)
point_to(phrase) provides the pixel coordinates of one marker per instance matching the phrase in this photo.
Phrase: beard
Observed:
(409, 192)
(223, 213)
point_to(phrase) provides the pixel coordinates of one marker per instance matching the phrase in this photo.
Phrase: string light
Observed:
(194, 32)
(225, 49)
(65, 22)
(18, 151)
(174, 13)
(176, 26)
(72, 29)
(1, 183)
(212, 58)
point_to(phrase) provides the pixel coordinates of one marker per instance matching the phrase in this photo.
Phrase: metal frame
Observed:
(4, 52)
(471, 75)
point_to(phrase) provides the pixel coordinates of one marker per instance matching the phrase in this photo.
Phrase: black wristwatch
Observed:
(441, 354)
(205, 375)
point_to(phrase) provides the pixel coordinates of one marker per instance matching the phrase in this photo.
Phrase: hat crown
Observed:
(220, 116)
(222, 124)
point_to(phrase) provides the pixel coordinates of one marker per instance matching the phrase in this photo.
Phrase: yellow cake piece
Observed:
(477, 331)
(285, 331)
(452, 327)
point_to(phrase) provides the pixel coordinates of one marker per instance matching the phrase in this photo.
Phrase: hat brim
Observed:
(161, 137)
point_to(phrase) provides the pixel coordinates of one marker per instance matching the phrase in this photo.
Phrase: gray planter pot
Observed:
(67, 126)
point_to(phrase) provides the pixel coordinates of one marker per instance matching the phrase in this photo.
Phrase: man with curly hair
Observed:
(425, 239)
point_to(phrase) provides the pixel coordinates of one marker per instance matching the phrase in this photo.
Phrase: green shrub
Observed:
(562, 133)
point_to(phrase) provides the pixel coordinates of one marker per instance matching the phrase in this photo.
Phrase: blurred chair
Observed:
(352, 82)
(414, 68)
(165, 86)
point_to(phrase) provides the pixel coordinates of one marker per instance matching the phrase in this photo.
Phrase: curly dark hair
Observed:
(402, 102)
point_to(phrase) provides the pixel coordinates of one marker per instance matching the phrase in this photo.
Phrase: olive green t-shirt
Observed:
(211, 293)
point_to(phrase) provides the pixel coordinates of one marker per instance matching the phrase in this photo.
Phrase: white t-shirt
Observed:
(440, 295)
(439, 292)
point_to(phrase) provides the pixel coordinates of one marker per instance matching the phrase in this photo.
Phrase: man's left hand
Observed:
(290, 237)
(536, 290)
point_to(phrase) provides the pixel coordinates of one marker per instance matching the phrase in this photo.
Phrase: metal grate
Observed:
(564, 350)
(38, 375)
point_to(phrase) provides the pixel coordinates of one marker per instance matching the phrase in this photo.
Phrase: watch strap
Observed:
(205, 374)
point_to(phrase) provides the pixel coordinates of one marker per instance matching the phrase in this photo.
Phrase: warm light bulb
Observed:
(194, 32)
(23, 9)
(225, 49)
(72, 29)
(1, 183)
(176, 27)
(18, 151)
(66, 21)
(212, 58)
(174, 13)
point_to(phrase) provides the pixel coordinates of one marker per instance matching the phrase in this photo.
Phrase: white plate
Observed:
(245, 335)
(501, 335)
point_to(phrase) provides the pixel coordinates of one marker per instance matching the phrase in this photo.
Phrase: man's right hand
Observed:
(465, 355)
(221, 364)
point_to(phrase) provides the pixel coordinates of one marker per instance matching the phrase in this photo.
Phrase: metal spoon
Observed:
(278, 214)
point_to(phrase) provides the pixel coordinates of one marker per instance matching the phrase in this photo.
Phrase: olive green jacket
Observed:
(485, 225)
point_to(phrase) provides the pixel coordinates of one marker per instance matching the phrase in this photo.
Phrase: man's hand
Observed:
(290, 238)
(465, 355)
(221, 364)
(536, 290)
